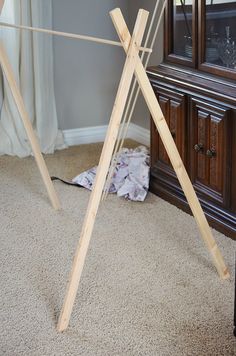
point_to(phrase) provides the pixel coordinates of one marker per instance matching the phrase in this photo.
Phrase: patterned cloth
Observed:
(131, 174)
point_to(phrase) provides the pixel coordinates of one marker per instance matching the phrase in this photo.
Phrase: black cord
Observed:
(66, 182)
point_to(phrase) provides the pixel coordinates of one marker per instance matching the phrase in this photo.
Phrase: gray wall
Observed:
(87, 74)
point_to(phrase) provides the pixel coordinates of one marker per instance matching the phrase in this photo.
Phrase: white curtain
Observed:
(31, 56)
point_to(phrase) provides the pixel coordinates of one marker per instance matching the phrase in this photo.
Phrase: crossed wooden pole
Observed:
(9, 75)
(133, 65)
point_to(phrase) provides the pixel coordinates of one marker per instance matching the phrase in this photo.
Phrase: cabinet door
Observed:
(210, 150)
(173, 106)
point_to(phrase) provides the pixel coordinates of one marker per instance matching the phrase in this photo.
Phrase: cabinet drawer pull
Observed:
(198, 147)
(211, 153)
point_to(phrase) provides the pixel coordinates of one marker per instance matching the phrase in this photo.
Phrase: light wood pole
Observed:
(133, 63)
(9, 75)
(69, 35)
(103, 167)
(1, 5)
(172, 150)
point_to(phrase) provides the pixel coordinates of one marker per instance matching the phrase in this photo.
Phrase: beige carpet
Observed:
(148, 287)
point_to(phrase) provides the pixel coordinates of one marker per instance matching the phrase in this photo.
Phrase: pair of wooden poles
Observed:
(133, 65)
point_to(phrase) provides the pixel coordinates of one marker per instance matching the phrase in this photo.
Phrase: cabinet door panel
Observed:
(173, 106)
(210, 155)
(216, 162)
(165, 107)
(177, 125)
(202, 141)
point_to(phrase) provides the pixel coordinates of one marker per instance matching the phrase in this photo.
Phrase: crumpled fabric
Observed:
(131, 174)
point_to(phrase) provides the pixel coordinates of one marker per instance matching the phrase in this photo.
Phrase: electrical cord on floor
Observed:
(66, 182)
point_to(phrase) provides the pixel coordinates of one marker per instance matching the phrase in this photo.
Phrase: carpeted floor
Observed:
(148, 286)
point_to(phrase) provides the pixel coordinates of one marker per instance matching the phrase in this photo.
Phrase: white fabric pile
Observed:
(131, 174)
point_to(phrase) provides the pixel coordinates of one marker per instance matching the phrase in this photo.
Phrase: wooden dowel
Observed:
(69, 35)
(133, 97)
(103, 167)
(1, 5)
(173, 153)
(9, 75)
(145, 66)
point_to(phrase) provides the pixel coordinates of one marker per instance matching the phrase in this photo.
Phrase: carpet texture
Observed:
(148, 286)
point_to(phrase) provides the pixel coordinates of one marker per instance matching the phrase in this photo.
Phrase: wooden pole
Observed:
(132, 99)
(9, 75)
(172, 151)
(69, 35)
(1, 5)
(103, 167)
(145, 66)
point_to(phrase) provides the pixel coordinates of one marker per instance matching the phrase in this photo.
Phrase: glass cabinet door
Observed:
(218, 36)
(181, 25)
(202, 34)
(182, 28)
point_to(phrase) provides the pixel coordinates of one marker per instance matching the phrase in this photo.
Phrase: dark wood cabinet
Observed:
(196, 90)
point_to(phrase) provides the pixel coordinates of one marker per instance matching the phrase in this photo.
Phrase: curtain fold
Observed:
(31, 56)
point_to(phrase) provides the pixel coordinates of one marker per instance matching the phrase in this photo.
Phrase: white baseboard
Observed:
(139, 134)
(85, 135)
(97, 134)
